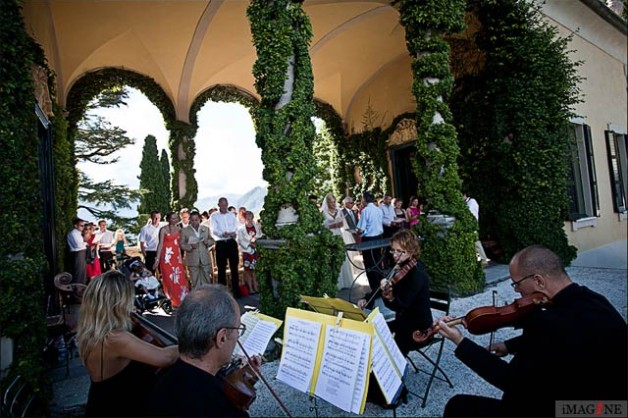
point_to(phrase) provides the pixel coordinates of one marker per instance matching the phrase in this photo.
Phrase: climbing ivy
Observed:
(22, 260)
(449, 254)
(513, 119)
(310, 260)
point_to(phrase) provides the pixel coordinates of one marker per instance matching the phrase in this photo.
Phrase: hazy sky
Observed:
(227, 159)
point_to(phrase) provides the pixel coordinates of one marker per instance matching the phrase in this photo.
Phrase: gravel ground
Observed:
(609, 282)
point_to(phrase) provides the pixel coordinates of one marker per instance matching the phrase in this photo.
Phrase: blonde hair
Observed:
(120, 235)
(106, 307)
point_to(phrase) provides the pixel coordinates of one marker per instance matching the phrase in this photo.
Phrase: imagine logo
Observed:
(591, 408)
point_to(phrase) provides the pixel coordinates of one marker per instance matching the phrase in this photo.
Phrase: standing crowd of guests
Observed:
(181, 248)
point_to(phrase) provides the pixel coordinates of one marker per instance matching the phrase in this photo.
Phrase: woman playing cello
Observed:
(121, 366)
(407, 293)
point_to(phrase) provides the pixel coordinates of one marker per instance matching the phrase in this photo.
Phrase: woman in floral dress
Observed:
(169, 261)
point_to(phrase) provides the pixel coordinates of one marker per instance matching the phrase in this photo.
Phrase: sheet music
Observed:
(387, 378)
(258, 339)
(298, 359)
(337, 379)
(362, 380)
(259, 330)
(382, 330)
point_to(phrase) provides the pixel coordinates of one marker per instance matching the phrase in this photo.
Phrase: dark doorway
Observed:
(404, 179)
(47, 179)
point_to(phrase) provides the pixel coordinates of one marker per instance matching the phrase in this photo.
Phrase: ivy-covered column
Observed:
(182, 150)
(448, 252)
(308, 259)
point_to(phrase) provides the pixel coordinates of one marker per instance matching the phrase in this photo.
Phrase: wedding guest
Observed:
(76, 251)
(169, 261)
(247, 235)
(413, 212)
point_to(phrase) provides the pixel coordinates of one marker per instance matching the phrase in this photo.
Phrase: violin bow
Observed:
(490, 339)
(261, 376)
(391, 274)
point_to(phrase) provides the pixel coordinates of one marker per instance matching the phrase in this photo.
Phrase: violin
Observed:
(239, 381)
(394, 276)
(485, 319)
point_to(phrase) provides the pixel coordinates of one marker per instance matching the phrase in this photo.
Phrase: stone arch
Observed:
(90, 84)
(222, 93)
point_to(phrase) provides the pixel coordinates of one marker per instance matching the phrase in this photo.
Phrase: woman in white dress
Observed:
(334, 220)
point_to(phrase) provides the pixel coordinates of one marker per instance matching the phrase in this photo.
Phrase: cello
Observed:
(485, 319)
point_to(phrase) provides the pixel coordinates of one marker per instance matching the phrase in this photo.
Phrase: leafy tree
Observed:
(165, 171)
(97, 140)
(106, 199)
(152, 182)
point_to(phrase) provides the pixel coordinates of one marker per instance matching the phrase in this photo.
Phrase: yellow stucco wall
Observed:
(602, 49)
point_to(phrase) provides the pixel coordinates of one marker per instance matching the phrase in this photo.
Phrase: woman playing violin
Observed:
(121, 366)
(208, 327)
(407, 293)
(572, 349)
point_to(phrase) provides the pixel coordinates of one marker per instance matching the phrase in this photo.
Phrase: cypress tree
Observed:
(167, 193)
(151, 177)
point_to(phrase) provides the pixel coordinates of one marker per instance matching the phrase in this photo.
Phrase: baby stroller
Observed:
(148, 291)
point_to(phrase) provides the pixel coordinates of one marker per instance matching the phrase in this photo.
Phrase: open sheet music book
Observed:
(259, 330)
(328, 357)
(331, 356)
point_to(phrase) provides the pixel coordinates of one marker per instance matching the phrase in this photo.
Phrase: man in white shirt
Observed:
(104, 237)
(474, 207)
(76, 251)
(149, 239)
(224, 225)
(388, 215)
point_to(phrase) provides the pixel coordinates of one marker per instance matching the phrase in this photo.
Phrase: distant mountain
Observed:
(252, 200)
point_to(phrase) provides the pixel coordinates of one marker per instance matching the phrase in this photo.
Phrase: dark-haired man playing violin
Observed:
(572, 349)
(208, 327)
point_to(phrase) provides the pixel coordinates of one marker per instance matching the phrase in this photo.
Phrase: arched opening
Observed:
(228, 162)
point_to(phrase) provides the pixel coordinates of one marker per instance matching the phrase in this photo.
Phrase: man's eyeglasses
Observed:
(82, 225)
(241, 329)
(516, 284)
(399, 252)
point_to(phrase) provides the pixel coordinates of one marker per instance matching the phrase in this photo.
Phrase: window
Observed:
(582, 181)
(617, 164)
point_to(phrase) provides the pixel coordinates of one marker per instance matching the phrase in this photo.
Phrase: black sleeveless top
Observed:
(123, 394)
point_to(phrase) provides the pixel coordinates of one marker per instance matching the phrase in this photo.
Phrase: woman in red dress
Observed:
(169, 261)
(93, 261)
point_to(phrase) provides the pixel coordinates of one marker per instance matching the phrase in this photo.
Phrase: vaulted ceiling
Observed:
(358, 50)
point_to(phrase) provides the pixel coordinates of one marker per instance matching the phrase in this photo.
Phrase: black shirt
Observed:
(575, 349)
(187, 391)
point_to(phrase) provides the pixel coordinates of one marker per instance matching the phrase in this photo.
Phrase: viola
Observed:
(239, 381)
(485, 319)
